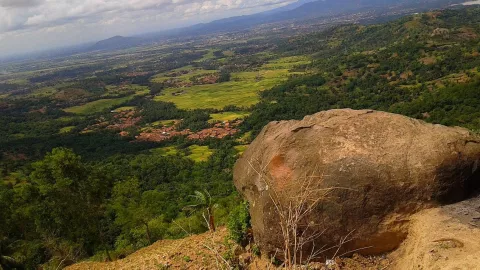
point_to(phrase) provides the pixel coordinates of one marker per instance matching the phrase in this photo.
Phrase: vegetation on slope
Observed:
(122, 194)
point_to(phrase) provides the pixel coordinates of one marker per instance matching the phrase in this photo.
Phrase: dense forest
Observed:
(76, 188)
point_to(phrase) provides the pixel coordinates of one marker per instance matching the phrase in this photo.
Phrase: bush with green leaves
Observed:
(239, 223)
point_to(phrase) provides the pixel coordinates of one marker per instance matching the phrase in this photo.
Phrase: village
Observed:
(124, 120)
(219, 131)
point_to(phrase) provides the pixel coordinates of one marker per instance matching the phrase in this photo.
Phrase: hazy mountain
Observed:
(116, 42)
(308, 9)
(291, 6)
(300, 10)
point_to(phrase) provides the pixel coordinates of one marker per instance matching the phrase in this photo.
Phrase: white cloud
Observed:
(19, 3)
(72, 21)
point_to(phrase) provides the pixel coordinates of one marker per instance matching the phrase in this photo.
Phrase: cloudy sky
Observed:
(32, 25)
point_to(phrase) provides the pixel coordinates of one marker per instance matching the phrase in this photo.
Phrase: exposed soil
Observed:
(205, 251)
(197, 252)
(428, 60)
(219, 131)
(161, 134)
(124, 120)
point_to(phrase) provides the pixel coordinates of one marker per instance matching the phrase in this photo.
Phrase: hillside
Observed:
(438, 238)
(428, 62)
(203, 251)
(210, 252)
(113, 151)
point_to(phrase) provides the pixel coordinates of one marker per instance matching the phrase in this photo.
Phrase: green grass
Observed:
(227, 116)
(287, 62)
(192, 72)
(228, 53)
(200, 153)
(241, 91)
(165, 151)
(125, 108)
(44, 92)
(19, 136)
(69, 119)
(241, 148)
(246, 138)
(66, 130)
(97, 105)
(115, 91)
(19, 81)
(162, 123)
(209, 55)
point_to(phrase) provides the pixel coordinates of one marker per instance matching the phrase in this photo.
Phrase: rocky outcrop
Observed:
(378, 168)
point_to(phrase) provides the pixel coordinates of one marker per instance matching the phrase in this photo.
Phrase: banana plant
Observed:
(205, 204)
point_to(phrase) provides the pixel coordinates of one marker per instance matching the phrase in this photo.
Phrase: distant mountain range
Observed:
(300, 10)
(305, 9)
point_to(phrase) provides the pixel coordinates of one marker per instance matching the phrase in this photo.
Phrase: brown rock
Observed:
(381, 167)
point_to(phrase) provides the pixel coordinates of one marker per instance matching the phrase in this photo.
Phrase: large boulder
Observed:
(355, 176)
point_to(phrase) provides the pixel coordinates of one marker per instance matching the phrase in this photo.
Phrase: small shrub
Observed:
(230, 254)
(256, 250)
(163, 266)
(239, 223)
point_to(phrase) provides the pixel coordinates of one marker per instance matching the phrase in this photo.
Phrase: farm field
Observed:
(197, 153)
(208, 56)
(181, 74)
(165, 151)
(115, 91)
(97, 105)
(227, 116)
(167, 123)
(241, 91)
(108, 103)
(125, 108)
(65, 130)
(288, 62)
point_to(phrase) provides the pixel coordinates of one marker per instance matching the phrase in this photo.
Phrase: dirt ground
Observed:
(444, 238)
(195, 252)
(205, 251)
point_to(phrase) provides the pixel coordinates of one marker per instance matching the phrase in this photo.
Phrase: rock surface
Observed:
(381, 167)
(442, 238)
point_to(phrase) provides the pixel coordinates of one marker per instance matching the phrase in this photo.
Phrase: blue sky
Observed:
(33, 25)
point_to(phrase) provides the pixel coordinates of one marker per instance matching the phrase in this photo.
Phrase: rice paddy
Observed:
(241, 91)
(97, 105)
(227, 116)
